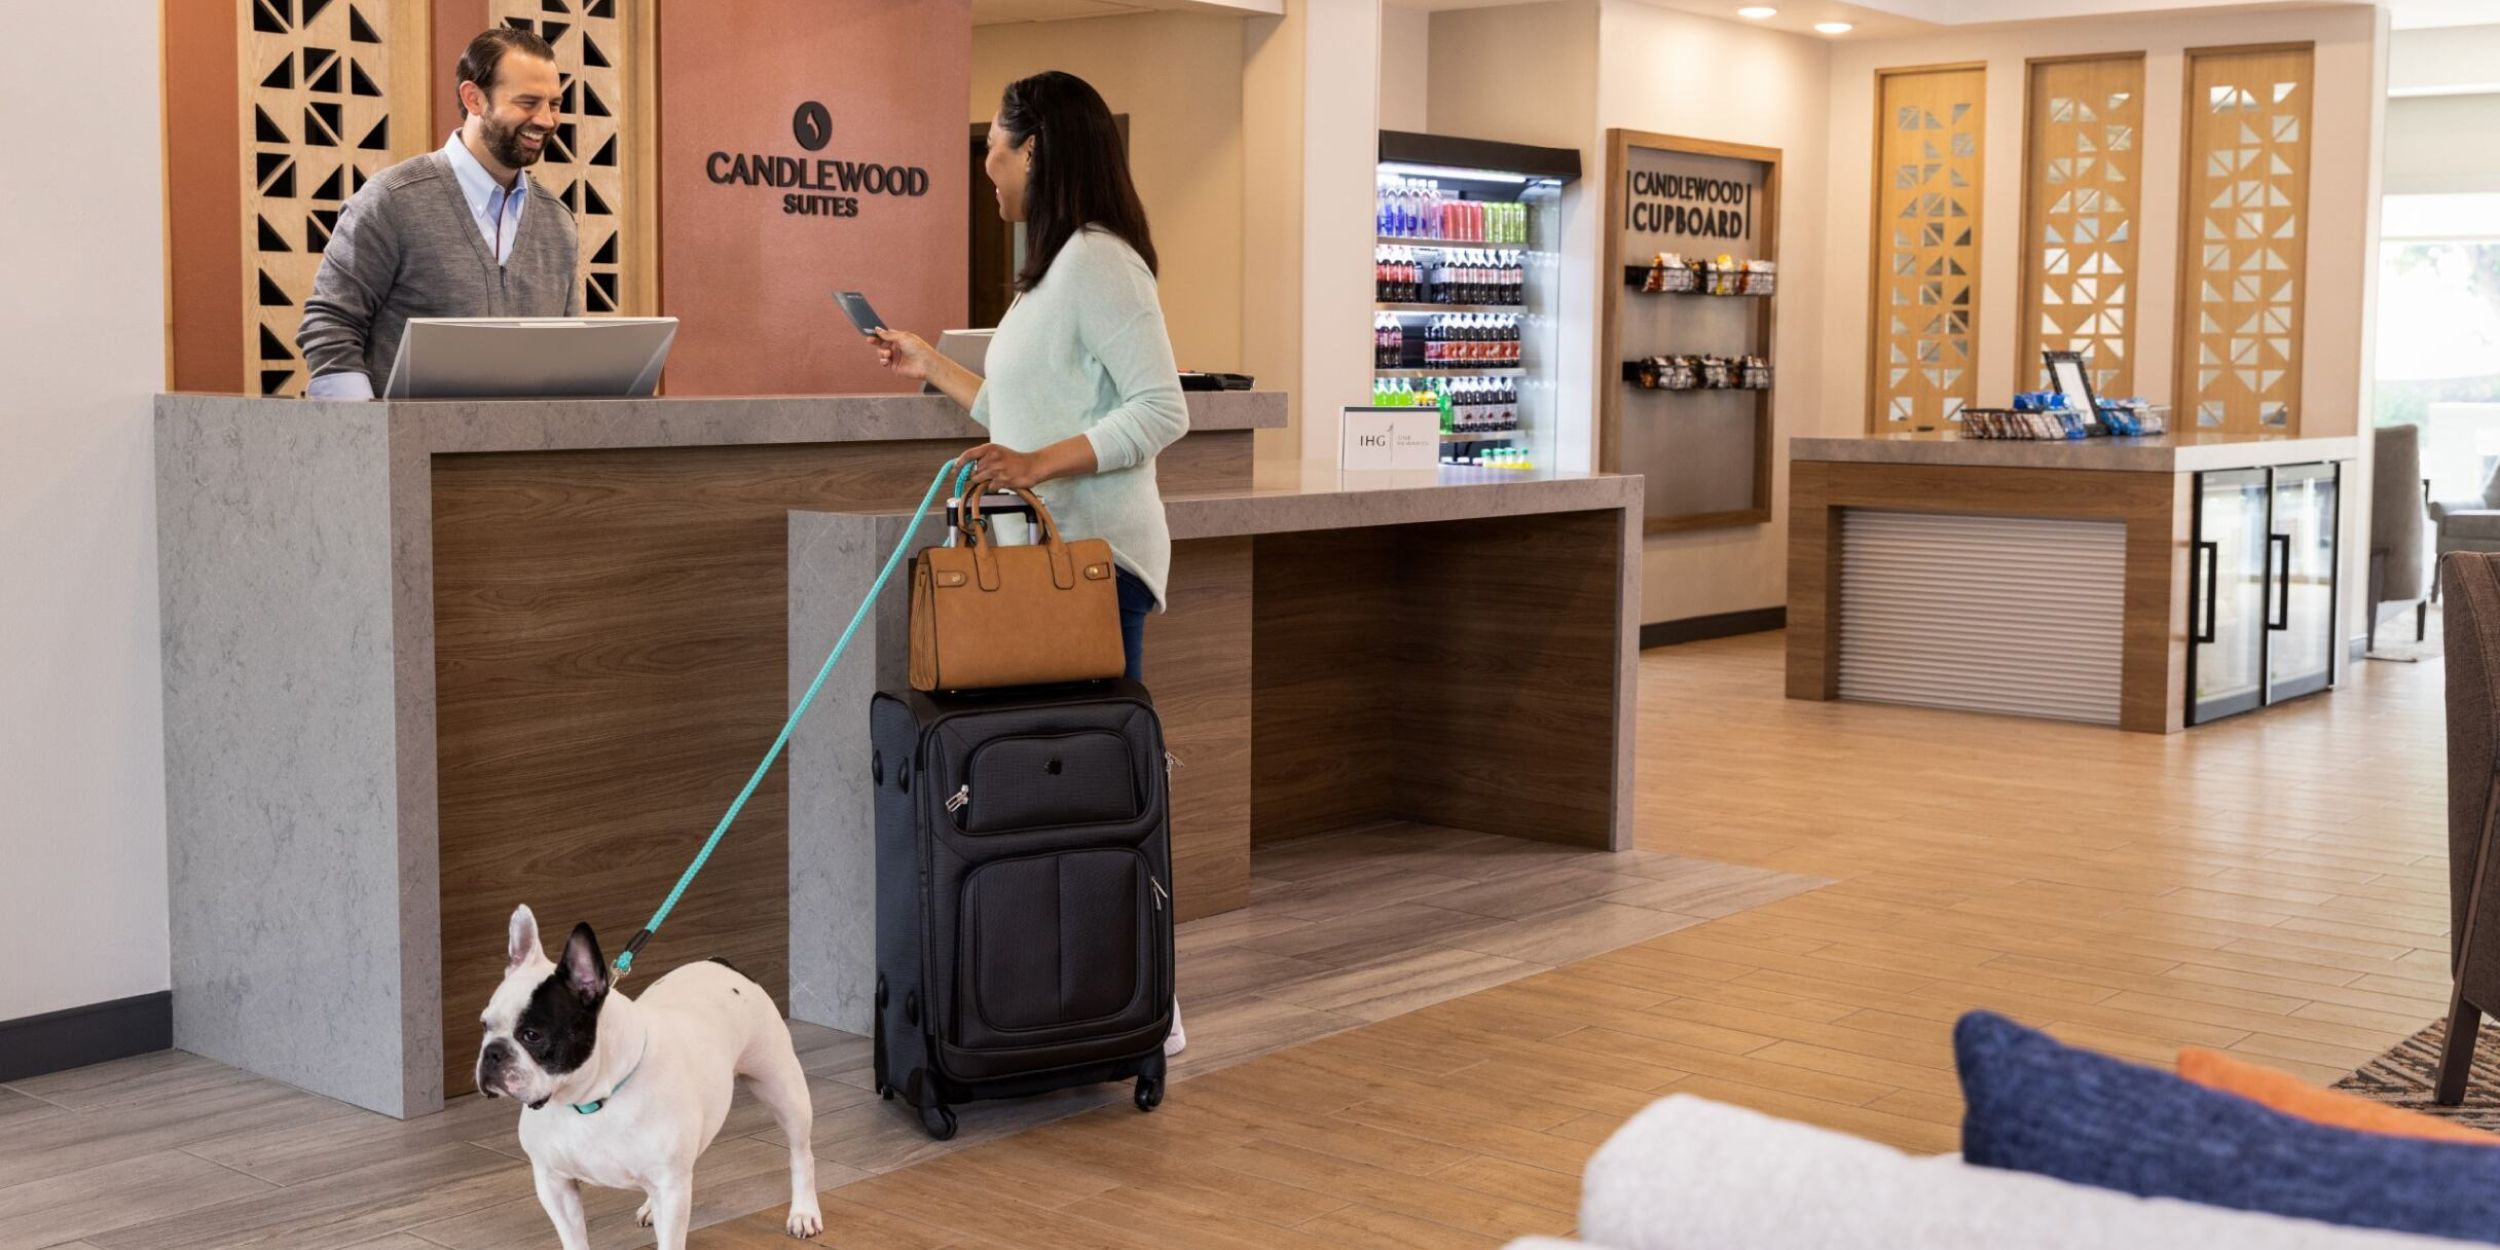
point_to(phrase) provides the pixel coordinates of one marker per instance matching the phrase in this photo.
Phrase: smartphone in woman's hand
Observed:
(855, 306)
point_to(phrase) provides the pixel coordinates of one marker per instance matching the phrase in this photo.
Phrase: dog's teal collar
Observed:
(592, 1108)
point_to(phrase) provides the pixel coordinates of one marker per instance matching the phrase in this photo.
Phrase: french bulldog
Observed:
(626, 1093)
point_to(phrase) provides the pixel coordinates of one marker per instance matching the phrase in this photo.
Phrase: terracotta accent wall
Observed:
(203, 199)
(751, 283)
(456, 22)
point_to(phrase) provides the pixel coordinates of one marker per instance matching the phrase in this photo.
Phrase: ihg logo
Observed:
(1371, 440)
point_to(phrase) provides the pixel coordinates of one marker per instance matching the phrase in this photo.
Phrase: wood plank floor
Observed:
(1341, 931)
(2272, 885)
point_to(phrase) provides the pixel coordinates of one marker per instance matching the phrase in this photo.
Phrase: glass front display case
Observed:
(1466, 268)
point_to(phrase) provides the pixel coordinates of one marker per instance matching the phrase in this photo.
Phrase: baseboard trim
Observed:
(74, 1037)
(1720, 625)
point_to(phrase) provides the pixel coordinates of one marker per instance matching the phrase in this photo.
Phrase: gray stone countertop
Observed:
(1287, 496)
(456, 426)
(2176, 453)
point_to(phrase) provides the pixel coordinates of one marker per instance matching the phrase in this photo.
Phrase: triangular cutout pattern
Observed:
(1930, 149)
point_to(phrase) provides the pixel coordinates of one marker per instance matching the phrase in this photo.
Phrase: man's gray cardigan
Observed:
(406, 246)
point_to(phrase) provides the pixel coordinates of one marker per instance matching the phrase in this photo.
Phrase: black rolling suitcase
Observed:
(1024, 913)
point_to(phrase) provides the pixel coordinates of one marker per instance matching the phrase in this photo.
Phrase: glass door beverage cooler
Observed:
(2262, 618)
(1465, 272)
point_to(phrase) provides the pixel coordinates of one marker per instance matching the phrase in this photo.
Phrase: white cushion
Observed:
(1690, 1174)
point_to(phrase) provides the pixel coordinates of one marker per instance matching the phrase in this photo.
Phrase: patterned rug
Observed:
(2395, 636)
(2406, 1075)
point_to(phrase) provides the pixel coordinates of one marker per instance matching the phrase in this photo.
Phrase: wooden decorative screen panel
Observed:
(1926, 282)
(2244, 239)
(586, 164)
(332, 92)
(2085, 156)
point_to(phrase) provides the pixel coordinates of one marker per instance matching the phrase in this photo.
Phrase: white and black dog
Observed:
(626, 1093)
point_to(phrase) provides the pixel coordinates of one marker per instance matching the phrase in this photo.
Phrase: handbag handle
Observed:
(985, 554)
(968, 514)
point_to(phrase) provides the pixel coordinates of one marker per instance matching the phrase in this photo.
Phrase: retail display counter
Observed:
(2147, 583)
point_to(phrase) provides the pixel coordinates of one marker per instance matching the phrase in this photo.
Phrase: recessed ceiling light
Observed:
(1757, 11)
(1833, 28)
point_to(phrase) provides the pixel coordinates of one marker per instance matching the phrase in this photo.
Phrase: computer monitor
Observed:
(969, 348)
(530, 357)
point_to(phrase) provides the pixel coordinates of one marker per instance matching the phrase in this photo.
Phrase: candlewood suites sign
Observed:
(814, 186)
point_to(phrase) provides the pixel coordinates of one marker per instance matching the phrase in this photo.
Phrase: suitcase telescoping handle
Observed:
(963, 476)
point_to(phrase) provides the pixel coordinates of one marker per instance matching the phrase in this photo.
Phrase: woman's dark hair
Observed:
(1080, 170)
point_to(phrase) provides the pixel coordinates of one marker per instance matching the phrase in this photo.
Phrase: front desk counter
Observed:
(1340, 649)
(427, 661)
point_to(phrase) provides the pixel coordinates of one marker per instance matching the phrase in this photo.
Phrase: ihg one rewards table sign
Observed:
(1392, 439)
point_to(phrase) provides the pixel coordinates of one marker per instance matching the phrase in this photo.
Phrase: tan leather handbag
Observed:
(985, 616)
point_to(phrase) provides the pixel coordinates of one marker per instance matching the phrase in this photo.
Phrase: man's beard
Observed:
(504, 144)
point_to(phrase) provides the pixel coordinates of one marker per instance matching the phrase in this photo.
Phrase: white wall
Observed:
(2444, 144)
(1340, 171)
(1310, 137)
(1784, 82)
(2446, 58)
(1405, 68)
(82, 345)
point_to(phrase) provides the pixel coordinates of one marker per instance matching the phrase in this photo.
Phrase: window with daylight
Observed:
(2439, 333)
(2243, 239)
(2086, 161)
(1926, 279)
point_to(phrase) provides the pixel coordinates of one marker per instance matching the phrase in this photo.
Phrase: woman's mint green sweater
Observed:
(1085, 352)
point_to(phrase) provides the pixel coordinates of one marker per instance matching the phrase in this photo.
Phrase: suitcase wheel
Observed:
(1149, 1093)
(938, 1121)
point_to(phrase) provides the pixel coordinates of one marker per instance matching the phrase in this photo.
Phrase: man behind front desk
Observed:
(459, 232)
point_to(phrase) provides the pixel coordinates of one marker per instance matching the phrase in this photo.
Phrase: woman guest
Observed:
(1082, 393)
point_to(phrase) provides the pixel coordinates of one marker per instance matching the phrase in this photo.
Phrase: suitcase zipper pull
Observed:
(1170, 762)
(955, 802)
(1160, 893)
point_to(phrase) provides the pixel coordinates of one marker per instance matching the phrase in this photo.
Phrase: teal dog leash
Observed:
(625, 960)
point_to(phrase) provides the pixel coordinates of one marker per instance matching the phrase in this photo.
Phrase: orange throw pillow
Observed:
(2294, 1097)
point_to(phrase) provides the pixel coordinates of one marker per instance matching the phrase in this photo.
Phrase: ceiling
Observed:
(1876, 19)
(1795, 16)
(1881, 18)
(2423, 14)
(1001, 12)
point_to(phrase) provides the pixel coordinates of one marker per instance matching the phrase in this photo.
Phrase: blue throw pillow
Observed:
(2036, 1105)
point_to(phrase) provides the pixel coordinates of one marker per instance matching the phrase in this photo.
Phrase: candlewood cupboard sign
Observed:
(1688, 205)
(814, 186)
